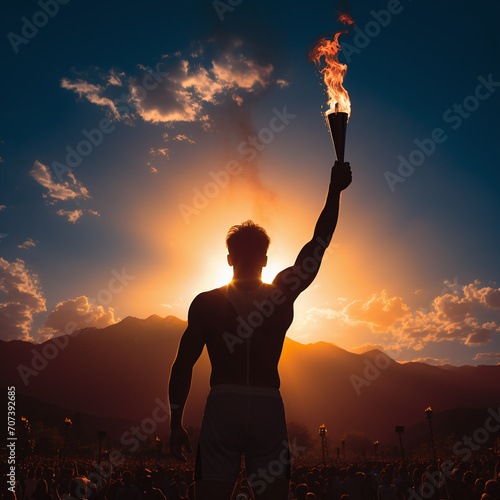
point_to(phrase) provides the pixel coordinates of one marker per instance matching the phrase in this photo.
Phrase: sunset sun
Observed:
(223, 272)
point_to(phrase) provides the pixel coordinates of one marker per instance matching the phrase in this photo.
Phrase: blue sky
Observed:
(227, 71)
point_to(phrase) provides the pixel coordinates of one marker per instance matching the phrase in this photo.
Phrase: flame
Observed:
(333, 72)
(345, 18)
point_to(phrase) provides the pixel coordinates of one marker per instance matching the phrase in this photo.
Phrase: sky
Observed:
(133, 135)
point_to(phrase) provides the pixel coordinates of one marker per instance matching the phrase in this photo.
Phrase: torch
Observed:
(428, 414)
(333, 75)
(337, 123)
(324, 445)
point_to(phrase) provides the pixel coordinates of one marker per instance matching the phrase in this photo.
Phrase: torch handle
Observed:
(337, 123)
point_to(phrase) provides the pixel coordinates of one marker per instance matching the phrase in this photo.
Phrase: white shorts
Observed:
(242, 419)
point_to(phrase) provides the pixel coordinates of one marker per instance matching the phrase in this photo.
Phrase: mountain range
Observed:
(120, 374)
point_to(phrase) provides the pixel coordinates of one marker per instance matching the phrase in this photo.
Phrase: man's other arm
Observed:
(190, 349)
(298, 277)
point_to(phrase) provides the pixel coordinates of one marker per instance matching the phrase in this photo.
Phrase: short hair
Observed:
(247, 238)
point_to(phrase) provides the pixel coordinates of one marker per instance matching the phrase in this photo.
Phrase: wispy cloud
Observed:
(487, 355)
(431, 361)
(179, 302)
(71, 215)
(93, 92)
(29, 243)
(234, 70)
(58, 191)
(22, 299)
(115, 77)
(183, 137)
(159, 152)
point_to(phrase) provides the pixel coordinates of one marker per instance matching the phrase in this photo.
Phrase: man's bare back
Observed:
(245, 346)
(243, 326)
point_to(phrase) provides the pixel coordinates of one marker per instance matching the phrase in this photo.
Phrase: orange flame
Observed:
(333, 72)
(345, 18)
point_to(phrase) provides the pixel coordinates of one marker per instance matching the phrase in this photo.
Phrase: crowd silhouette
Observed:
(44, 478)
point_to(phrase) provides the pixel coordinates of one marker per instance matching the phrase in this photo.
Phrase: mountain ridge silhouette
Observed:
(120, 371)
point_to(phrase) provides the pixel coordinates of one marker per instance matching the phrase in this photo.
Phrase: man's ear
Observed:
(229, 260)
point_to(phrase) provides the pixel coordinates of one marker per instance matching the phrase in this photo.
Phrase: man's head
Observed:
(247, 245)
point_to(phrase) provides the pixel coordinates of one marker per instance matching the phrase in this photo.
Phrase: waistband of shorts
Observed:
(245, 389)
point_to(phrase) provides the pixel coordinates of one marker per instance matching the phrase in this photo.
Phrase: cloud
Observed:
(235, 70)
(380, 312)
(181, 88)
(67, 190)
(200, 81)
(452, 307)
(75, 314)
(159, 152)
(71, 215)
(166, 103)
(487, 355)
(282, 83)
(29, 243)
(93, 92)
(114, 77)
(492, 298)
(460, 313)
(429, 361)
(321, 312)
(454, 315)
(178, 302)
(487, 296)
(183, 137)
(483, 334)
(22, 299)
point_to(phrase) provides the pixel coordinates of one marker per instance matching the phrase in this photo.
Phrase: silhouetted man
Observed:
(243, 325)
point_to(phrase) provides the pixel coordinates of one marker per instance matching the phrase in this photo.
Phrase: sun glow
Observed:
(271, 270)
(224, 272)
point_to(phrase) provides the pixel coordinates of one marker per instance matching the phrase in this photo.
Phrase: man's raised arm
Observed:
(190, 349)
(306, 267)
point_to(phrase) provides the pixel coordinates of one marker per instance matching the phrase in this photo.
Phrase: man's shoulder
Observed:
(210, 294)
(208, 298)
(208, 303)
